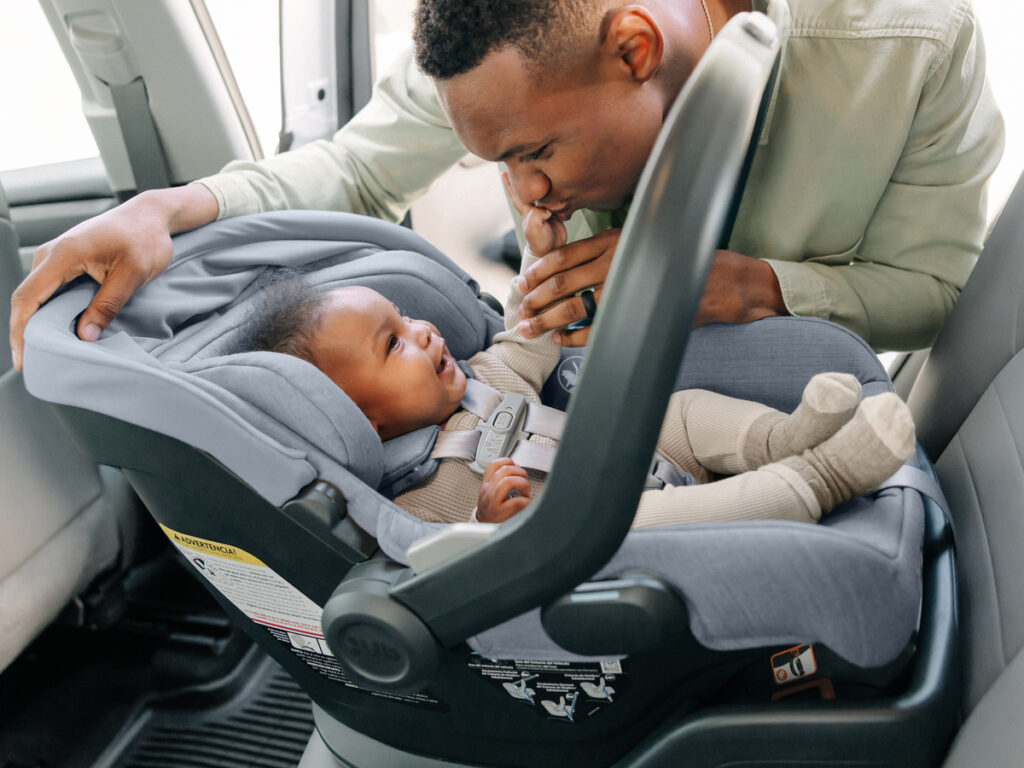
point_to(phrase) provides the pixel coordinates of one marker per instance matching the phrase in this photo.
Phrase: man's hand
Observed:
(740, 289)
(562, 273)
(120, 249)
(501, 478)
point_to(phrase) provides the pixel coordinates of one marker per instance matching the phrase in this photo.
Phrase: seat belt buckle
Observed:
(501, 432)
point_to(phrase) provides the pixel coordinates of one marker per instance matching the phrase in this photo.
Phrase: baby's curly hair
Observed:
(287, 318)
(454, 36)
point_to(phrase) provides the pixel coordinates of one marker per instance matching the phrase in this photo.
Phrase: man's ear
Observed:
(634, 38)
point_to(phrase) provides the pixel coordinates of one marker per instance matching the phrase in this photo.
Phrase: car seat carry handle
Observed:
(649, 305)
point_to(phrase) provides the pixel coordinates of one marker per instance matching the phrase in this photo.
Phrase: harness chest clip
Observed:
(501, 432)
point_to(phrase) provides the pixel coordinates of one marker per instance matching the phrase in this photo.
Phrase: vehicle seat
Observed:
(65, 522)
(968, 403)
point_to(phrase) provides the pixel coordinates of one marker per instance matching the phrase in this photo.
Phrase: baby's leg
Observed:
(863, 453)
(728, 436)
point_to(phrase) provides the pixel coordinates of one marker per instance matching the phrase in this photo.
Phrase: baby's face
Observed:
(397, 370)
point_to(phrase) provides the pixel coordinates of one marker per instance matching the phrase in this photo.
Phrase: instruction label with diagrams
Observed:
(268, 599)
(560, 690)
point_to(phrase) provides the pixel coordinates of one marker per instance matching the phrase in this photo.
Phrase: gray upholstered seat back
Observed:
(968, 406)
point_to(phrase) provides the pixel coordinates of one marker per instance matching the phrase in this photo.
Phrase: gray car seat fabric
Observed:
(967, 403)
(853, 583)
(64, 522)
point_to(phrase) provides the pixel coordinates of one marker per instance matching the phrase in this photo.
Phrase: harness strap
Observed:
(480, 399)
(506, 423)
(456, 444)
(534, 455)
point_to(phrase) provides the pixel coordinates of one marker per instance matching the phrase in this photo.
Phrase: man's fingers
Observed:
(33, 292)
(567, 338)
(564, 285)
(573, 255)
(558, 315)
(115, 290)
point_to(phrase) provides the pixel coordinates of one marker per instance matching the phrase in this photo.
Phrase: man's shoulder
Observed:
(937, 20)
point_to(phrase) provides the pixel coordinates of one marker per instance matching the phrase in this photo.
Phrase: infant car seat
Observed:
(561, 638)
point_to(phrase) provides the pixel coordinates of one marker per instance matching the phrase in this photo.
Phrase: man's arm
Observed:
(900, 283)
(377, 164)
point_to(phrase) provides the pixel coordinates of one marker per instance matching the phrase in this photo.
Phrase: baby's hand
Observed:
(543, 233)
(505, 490)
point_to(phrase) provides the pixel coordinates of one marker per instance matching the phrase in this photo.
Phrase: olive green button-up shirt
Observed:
(867, 193)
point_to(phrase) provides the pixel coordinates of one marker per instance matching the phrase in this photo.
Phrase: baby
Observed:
(399, 372)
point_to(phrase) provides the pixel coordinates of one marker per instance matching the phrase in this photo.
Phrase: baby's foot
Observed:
(869, 448)
(829, 401)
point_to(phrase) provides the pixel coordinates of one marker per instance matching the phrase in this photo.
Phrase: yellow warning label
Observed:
(225, 551)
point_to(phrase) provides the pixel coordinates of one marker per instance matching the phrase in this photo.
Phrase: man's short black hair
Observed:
(286, 319)
(454, 36)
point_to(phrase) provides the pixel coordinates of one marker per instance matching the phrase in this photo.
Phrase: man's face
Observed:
(576, 143)
(397, 370)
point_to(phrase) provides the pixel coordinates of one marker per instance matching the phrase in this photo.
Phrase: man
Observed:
(865, 203)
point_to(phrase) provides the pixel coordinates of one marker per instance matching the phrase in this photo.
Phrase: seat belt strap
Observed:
(145, 151)
(922, 482)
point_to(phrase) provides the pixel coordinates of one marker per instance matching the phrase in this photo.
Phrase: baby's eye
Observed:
(392, 342)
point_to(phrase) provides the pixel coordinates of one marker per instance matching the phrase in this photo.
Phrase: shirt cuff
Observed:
(233, 193)
(803, 290)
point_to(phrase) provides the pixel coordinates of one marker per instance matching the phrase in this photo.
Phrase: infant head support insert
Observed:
(261, 464)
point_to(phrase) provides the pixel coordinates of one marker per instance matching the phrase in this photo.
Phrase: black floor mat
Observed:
(266, 724)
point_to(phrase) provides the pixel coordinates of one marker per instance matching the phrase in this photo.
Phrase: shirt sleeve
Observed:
(377, 164)
(902, 280)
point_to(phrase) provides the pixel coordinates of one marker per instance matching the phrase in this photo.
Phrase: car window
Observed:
(42, 106)
(248, 33)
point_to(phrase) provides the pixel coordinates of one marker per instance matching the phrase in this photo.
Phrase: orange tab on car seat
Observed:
(793, 664)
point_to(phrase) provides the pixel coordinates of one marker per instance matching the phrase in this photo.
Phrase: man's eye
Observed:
(535, 155)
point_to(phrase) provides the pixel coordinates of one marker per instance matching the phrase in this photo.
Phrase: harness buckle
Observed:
(501, 432)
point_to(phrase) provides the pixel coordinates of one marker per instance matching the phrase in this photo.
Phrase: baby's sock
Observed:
(829, 401)
(728, 436)
(869, 448)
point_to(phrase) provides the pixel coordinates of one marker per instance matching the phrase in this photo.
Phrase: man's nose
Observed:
(529, 183)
